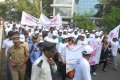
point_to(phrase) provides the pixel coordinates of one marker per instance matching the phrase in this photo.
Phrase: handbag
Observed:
(70, 74)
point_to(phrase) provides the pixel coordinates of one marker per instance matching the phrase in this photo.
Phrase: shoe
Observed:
(104, 70)
(115, 69)
(94, 74)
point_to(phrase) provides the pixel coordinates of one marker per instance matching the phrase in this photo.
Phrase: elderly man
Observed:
(17, 57)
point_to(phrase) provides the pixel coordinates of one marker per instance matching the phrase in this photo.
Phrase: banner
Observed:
(95, 55)
(44, 21)
(47, 23)
(114, 32)
(56, 21)
(29, 20)
(73, 53)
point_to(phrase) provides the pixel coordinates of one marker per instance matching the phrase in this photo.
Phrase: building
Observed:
(64, 7)
(7, 0)
(2, 0)
(86, 6)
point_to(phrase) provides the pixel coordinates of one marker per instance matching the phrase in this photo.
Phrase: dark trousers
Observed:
(62, 70)
(28, 70)
(93, 68)
(104, 63)
(9, 75)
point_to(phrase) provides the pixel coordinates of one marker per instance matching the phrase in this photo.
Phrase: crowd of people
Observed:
(37, 53)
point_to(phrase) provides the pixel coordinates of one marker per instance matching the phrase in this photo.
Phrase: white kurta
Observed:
(114, 47)
(43, 73)
(7, 43)
(82, 70)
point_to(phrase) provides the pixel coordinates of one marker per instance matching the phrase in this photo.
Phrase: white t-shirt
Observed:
(82, 70)
(7, 43)
(114, 47)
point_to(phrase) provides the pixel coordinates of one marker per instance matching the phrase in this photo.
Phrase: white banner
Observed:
(114, 32)
(95, 55)
(47, 23)
(73, 53)
(29, 20)
(56, 21)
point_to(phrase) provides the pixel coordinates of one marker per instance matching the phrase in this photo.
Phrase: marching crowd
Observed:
(36, 53)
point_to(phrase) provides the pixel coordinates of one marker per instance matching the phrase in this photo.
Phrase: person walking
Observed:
(82, 66)
(17, 57)
(44, 67)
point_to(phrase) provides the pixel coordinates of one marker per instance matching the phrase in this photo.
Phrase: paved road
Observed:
(109, 75)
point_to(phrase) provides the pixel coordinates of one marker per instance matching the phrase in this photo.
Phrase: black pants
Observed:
(93, 68)
(62, 70)
(104, 63)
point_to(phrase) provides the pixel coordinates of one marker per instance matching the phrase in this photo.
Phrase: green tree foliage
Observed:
(47, 8)
(111, 19)
(83, 22)
(110, 14)
(13, 10)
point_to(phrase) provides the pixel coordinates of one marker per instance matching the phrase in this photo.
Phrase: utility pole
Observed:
(40, 6)
(77, 2)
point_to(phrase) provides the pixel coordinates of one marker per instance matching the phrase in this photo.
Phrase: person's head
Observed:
(51, 29)
(87, 35)
(71, 41)
(40, 45)
(10, 34)
(114, 39)
(87, 50)
(16, 39)
(20, 28)
(49, 49)
(26, 33)
(76, 32)
(34, 38)
(60, 33)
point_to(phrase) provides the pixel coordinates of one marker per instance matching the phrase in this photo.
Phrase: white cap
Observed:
(87, 49)
(97, 34)
(36, 32)
(22, 38)
(65, 36)
(93, 30)
(86, 31)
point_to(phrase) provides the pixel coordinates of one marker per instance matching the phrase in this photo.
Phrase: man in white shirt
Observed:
(7, 43)
(114, 48)
(44, 67)
(82, 67)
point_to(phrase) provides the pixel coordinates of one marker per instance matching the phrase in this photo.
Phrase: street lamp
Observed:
(77, 2)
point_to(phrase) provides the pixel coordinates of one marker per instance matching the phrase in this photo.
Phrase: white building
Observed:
(2, 0)
(7, 0)
(64, 7)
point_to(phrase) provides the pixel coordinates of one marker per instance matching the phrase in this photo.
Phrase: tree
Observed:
(83, 22)
(111, 19)
(110, 14)
(13, 10)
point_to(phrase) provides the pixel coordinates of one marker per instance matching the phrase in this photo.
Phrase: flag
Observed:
(114, 33)
(29, 20)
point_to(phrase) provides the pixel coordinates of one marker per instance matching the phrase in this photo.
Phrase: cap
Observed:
(65, 36)
(49, 45)
(87, 49)
(22, 38)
